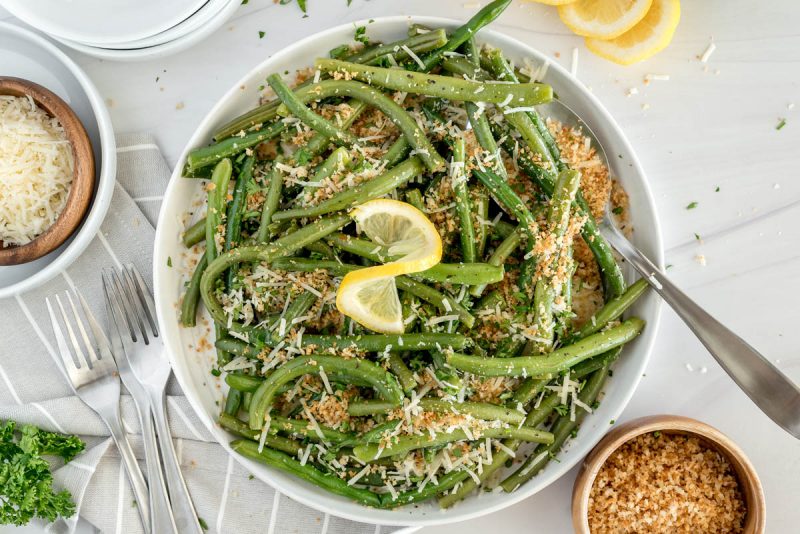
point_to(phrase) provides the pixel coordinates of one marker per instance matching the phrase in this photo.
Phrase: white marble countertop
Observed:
(707, 135)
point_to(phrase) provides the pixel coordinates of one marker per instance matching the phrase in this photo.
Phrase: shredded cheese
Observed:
(36, 167)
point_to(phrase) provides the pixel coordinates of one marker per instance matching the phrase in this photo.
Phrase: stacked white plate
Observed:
(125, 30)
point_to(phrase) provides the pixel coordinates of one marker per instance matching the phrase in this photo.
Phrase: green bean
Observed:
(555, 362)
(612, 310)
(240, 428)
(612, 274)
(217, 192)
(407, 443)
(369, 407)
(522, 94)
(311, 119)
(501, 456)
(463, 204)
(508, 198)
(257, 253)
(478, 410)
(337, 161)
(210, 155)
(445, 483)
(448, 273)
(402, 372)
(308, 472)
(481, 208)
(411, 131)
(242, 382)
(416, 43)
(195, 234)
(444, 302)
(319, 143)
(503, 71)
(561, 430)
(522, 121)
(505, 249)
(414, 197)
(233, 226)
(192, 295)
(363, 192)
(232, 402)
(307, 430)
(483, 17)
(384, 383)
(544, 293)
(398, 152)
(271, 202)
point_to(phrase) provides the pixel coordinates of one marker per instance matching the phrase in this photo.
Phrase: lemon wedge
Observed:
(652, 34)
(553, 2)
(369, 296)
(603, 19)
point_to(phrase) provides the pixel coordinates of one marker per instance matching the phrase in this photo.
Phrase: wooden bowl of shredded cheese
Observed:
(667, 474)
(47, 171)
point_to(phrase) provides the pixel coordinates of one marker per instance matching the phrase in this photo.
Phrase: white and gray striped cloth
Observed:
(34, 390)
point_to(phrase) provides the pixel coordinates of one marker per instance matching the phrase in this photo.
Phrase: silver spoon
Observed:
(771, 390)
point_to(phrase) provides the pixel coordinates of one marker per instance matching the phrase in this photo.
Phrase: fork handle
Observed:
(160, 509)
(182, 507)
(131, 467)
(771, 390)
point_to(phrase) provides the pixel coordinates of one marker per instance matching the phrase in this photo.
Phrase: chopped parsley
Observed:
(716, 190)
(261, 34)
(691, 206)
(781, 124)
(617, 211)
(697, 236)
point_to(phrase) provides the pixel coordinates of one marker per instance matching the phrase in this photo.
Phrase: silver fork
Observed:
(133, 312)
(766, 385)
(160, 510)
(95, 381)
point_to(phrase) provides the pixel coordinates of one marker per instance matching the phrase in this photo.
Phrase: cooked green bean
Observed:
(416, 43)
(210, 155)
(192, 295)
(522, 94)
(555, 362)
(195, 234)
(233, 223)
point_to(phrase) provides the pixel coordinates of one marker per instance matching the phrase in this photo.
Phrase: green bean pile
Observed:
(494, 370)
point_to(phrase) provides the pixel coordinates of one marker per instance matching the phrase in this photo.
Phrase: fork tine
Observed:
(91, 353)
(123, 306)
(128, 304)
(115, 318)
(97, 331)
(79, 355)
(63, 348)
(147, 296)
(135, 300)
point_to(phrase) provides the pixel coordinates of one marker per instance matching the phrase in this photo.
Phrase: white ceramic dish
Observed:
(199, 18)
(161, 50)
(192, 368)
(102, 22)
(27, 55)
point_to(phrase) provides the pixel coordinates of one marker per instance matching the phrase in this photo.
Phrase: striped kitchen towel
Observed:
(33, 388)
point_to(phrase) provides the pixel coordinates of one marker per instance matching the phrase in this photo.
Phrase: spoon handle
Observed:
(765, 384)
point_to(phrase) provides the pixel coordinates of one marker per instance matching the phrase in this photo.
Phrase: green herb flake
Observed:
(612, 421)
(216, 372)
(617, 211)
(169, 261)
(244, 2)
(691, 205)
(781, 124)
(697, 236)
(203, 523)
(716, 190)
(657, 434)
(361, 35)
(261, 34)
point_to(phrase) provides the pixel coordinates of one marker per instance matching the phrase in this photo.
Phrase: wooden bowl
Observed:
(82, 188)
(749, 484)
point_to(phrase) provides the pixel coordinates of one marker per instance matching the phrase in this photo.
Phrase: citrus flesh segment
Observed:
(603, 19)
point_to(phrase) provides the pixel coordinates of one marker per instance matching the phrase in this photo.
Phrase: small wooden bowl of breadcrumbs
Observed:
(667, 474)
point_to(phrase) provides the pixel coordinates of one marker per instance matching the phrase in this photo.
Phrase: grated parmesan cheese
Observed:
(36, 168)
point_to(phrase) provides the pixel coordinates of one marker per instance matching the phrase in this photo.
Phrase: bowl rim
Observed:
(104, 181)
(746, 474)
(162, 308)
(83, 172)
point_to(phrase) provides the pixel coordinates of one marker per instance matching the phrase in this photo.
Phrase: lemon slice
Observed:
(553, 2)
(652, 34)
(603, 19)
(369, 296)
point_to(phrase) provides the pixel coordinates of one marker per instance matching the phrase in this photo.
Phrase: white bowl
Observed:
(27, 55)
(101, 22)
(193, 369)
(179, 43)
